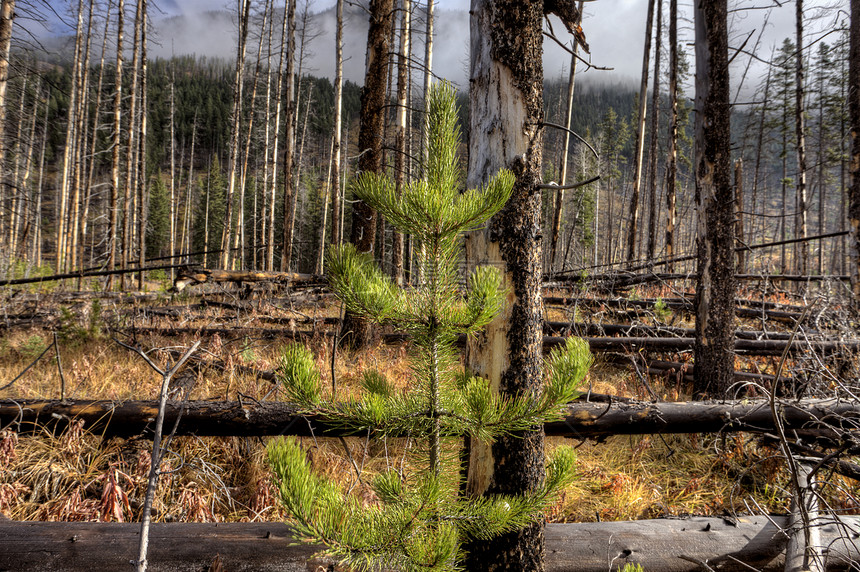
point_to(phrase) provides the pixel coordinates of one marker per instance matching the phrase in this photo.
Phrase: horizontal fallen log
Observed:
(190, 276)
(88, 274)
(640, 330)
(582, 419)
(668, 545)
(626, 279)
(742, 346)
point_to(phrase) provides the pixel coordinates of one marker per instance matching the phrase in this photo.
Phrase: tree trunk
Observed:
(225, 257)
(715, 291)
(290, 187)
(800, 132)
(143, 206)
(338, 128)
(653, 213)
(672, 152)
(640, 138)
(113, 225)
(854, 164)
(401, 132)
(370, 143)
(559, 194)
(270, 241)
(506, 107)
(7, 15)
(739, 209)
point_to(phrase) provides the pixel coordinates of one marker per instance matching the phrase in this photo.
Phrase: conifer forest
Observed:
(443, 285)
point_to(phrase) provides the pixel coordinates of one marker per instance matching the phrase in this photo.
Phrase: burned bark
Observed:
(506, 108)
(359, 332)
(715, 290)
(583, 419)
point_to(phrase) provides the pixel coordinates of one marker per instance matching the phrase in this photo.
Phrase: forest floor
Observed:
(76, 475)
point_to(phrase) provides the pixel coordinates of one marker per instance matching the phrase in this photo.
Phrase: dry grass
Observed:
(77, 476)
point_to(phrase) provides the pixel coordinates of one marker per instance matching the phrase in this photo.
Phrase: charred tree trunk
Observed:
(640, 139)
(7, 15)
(715, 291)
(290, 188)
(653, 213)
(739, 209)
(235, 129)
(338, 128)
(854, 164)
(672, 153)
(401, 132)
(559, 194)
(113, 225)
(506, 107)
(800, 133)
(370, 143)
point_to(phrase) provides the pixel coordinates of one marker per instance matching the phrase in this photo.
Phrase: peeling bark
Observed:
(506, 80)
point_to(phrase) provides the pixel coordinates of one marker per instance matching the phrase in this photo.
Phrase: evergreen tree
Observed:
(421, 520)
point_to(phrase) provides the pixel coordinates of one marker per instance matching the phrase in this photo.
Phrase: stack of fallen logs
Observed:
(677, 544)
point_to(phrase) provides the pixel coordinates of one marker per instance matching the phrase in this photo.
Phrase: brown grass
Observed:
(77, 476)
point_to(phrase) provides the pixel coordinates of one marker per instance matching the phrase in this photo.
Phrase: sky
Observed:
(614, 29)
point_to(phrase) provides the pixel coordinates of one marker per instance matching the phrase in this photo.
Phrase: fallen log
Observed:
(742, 346)
(84, 274)
(582, 419)
(640, 330)
(668, 545)
(191, 276)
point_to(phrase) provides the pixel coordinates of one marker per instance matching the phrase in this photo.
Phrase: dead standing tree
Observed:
(715, 291)
(854, 165)
(370, 142)
(506, 108)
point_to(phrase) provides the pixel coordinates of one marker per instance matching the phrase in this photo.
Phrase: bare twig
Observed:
(157, 450)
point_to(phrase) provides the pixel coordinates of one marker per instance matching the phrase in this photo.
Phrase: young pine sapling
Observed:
(422, 518)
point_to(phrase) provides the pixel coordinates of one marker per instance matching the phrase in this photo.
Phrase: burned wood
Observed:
(669, 545)
(591, 329)
(582, 420)
(53, 277)
(741, 346)
(192, 276)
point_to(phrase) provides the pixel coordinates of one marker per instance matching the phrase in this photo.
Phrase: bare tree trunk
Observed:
(401, 130)
(240, 235)
(173, 209)
(270, 246)
(113, 225)
(715, 291)
(69, 149)
(318, 268)
(370, 143)
(758, 154)
(800, 130)
(142, 178)
(80, 161)
(640, 138)
(506, 107)
(7, 15)
(95, 137)
(739, 209)
(653, 213)
(225, 257)
(338, 128)
(290, 188)
(565, 152)
(130, 164)
(854, 163)
(672, 152)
